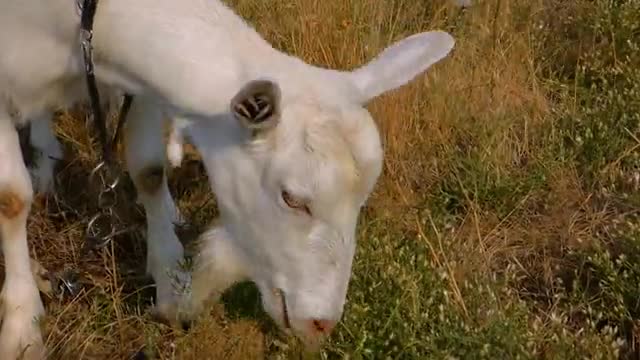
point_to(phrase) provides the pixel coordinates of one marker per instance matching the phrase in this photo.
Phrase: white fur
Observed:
(187, 60)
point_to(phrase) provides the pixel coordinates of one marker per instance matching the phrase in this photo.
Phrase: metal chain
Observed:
(105, 225)
(101, 226)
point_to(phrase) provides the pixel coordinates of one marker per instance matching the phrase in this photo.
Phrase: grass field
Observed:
(505, 225)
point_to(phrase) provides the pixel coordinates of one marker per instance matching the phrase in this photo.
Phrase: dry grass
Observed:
(476, 239)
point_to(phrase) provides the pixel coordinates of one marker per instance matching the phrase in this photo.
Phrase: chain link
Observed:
(105, 224)
(68, 284)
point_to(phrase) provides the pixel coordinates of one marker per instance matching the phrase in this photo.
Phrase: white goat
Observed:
(290, 151)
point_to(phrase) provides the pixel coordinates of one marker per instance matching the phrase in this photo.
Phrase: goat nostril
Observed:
(322, 326)
(319, 326)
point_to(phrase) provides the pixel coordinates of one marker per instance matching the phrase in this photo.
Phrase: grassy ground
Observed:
(505, 224)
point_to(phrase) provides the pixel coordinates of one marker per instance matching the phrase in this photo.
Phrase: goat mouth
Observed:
(285, 311)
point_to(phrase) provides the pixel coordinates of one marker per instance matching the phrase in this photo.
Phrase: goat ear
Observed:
(400, 63)
(257, 105)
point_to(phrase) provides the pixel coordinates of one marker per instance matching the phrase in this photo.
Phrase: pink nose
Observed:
(320, 327)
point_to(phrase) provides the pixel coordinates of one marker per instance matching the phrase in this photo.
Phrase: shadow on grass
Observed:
(242, 301)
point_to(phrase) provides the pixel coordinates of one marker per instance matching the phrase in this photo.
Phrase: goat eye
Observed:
(295, 203)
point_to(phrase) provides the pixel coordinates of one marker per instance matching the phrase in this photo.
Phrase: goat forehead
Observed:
(328, 150)
(318, 157)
